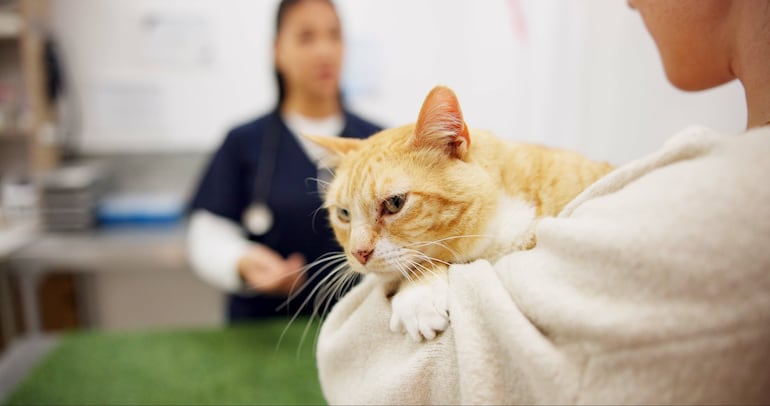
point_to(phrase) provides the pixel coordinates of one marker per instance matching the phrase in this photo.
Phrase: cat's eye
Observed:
(343, 215)
(393, 204)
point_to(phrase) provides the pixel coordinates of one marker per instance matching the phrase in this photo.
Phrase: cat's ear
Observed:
(335, 148)
(441, 125)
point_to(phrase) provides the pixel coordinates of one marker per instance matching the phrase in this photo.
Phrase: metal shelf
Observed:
(13, 136)
(10, 25)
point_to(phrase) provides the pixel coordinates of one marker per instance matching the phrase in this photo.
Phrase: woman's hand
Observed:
(266, 271)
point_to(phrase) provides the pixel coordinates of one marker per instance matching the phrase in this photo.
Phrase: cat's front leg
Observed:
(421, 307)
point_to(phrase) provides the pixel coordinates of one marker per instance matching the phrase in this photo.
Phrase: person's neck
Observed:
(311, 107)
(755, 78)
(758, 99)
(751, 64)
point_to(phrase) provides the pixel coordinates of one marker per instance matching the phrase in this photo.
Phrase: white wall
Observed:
(626, 106)
(581, 74)
(141, 89)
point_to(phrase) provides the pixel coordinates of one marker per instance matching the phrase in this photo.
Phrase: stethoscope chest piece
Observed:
(258, 218)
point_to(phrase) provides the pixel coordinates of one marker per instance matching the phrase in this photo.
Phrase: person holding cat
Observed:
(652, 285)
(252, 225)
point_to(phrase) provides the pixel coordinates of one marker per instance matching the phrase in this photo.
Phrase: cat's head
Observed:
(409, 195)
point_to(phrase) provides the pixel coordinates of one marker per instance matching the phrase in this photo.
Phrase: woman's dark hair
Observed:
(283, 8)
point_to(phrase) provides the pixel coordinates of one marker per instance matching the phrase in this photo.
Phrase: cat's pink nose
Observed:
(363, 255)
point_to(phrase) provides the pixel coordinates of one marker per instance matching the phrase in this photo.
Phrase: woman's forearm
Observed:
(215, 246)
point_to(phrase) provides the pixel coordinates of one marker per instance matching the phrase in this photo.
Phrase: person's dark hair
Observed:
(283, 7)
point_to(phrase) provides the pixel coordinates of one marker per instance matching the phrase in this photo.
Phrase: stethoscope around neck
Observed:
(258, 218)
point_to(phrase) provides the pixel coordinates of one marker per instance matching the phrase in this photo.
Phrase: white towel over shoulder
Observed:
(653, 286)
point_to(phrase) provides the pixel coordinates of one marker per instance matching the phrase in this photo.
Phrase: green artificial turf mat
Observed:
(233, 365)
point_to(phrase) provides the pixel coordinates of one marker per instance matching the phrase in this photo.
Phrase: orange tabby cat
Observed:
(408, 201)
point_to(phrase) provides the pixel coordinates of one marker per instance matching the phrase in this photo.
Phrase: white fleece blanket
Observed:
(653, 286)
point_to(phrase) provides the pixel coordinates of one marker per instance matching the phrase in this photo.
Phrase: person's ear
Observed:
(276, 56)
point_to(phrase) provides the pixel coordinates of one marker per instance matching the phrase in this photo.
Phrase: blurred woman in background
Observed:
(252, 225)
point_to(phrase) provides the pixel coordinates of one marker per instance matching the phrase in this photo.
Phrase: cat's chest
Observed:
(510, 228)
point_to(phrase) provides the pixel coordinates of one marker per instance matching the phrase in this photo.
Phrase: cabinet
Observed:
(26, 116)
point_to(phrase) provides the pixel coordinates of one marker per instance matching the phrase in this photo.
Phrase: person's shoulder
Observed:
(704, 141)
(697, 170)
(747, 149)
(248, 135)
(755, 142)
(249, 131)
(360, 127)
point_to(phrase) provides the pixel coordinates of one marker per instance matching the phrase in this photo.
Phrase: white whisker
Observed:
(423, 269)
(454, 253)
(302, 306)
(404, 270)
(423, 255)
(330, 260)
(350, 282)
(457, 237)
(340, 275)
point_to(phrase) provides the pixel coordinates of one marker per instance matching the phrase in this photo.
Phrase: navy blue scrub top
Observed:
(227, 189)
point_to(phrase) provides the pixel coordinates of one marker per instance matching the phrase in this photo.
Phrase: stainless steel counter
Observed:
(87, 253)
(105, 250)
(112, 256)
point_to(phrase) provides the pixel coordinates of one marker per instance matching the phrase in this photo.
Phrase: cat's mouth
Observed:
(376, 267)
(388, 258)
(405, 269)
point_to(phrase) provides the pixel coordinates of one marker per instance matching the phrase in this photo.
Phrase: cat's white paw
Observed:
(421, 309)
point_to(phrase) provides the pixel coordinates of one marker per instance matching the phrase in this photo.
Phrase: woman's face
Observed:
(691, 40)
(308, 49)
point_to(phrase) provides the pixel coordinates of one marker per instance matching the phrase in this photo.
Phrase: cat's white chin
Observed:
(376, 267)
(383, 272)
